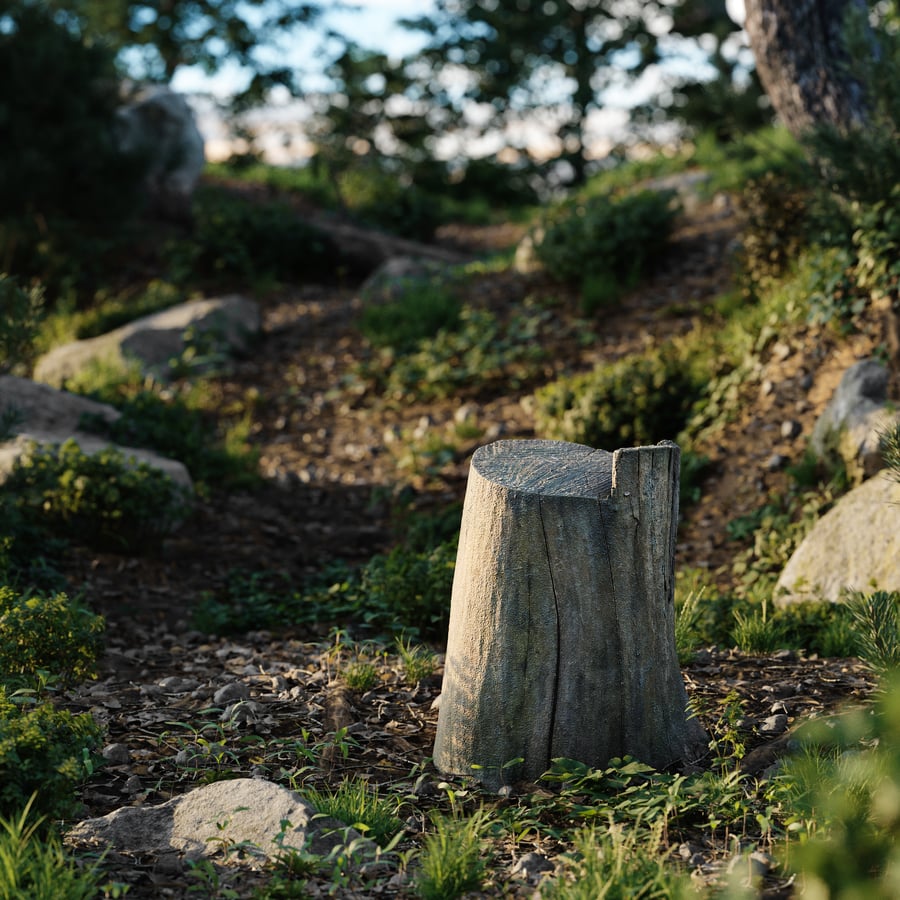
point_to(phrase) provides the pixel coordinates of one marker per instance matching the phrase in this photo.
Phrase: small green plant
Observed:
(103, 499)
(360, 675)
(876, 621)
(44, 752)
(451, 863)
(756, 632)
(34, 864)
(419, 662)
(51, 633)
(687, 616)
(358, 804)
(605, 244)
(890, 450)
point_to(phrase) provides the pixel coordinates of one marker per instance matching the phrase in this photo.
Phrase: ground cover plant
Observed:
(315, 571)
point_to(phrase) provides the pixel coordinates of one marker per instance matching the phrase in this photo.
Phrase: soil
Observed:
(332, 469)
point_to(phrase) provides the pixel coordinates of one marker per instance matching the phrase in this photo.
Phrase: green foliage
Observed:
(33, 863)
(605, 244)
(618, 863)
(418, 312)
(451, 862)
(890, 450)
(876, 621)
(52, 633)
(45, 752)
(841, 794)
(775, 226)
(419, 662)
(357, 803)
(102, 500)
(401, 592)
(238, 240)
(405, 591)
(176, 425)
(876, 243)
(482, 351)
(639, 399)
(19, 323)
(360, 675)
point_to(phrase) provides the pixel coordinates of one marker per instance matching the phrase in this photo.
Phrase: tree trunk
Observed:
(801, 60)
(562, 617)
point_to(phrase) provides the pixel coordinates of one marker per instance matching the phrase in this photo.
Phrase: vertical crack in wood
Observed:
(556, 674)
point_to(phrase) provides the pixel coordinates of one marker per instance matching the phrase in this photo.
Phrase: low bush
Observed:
(56, 634)
(44, 752)
(419, 312)
(606, 244)
(19, 323)
(235, 239)
(103, 500)
(639, 399)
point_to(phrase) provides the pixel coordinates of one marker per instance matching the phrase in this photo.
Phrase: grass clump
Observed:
(34, 864)
(876, 621)
(418, 312)
(452, 861)
(358, 804)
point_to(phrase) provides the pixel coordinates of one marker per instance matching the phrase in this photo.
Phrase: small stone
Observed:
(133, 785)
(237, 690)
(790, 429)
(116, 754)
(766, 388)
(244, 711)
(531, 867)
(807, 381)
(776, 461)
(778, 707)
(774, 725)
(781, 351)
(465, 412)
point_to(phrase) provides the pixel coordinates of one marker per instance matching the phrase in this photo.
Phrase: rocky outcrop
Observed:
(44, 415)
(851, 426)
(158, 126)
(215, 326)
(261, 817)
(855, 546)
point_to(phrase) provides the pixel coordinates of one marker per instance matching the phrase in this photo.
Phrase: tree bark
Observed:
(801, 60)
(561, 640)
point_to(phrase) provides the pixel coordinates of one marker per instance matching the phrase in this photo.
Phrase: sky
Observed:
(373, 24)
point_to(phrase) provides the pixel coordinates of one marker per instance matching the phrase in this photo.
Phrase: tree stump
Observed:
(562, 621)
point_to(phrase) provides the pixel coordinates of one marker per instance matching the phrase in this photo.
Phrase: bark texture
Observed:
(801, 60)
(561, 640)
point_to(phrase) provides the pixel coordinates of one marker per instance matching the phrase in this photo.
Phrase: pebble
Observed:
(133, 785)
(776, 461)
(790, 429)
(774, 725)
(116, 754)
(530, 867)
(237, 690)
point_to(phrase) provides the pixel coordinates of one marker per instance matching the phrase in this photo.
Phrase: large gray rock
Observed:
(159, 125)
(227, 323)
(258, 814)
(48, 416)
(854, 420)
(855, 546)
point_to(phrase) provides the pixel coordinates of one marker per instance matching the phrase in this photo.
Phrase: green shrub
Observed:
(101, 500)
(19, 322)
(44, 752)
(639, 399)
(419, 312)
(876, 623)
(604, 244)
(357, 803)
(775, 226)
(52, 633)
(451, 863)
(235, 239)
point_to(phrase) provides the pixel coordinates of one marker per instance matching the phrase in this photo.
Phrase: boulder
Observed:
(854, 420)
(48, 416)
(158, 125)
(262, 817)
(396, 275)
(222, 324)
(854, 546)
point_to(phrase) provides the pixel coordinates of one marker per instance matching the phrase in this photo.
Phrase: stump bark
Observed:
(562, 622)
